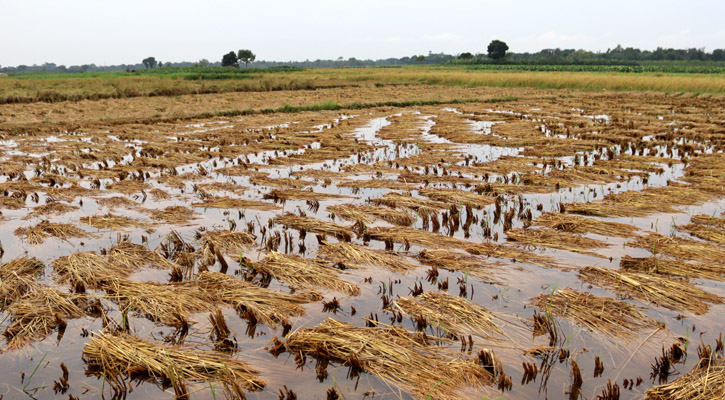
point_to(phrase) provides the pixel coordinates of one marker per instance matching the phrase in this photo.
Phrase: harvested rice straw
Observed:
(304, 273)
(253, 302)
(456, 315)
(315, 226)
(17, 277)
(264, 180)
(52, 208)
(669, 293)
(37, 234)
(173, 214)
(706, 381)
(121, 356)
(38, 313)
(87, 270)
(116, 201)
(555, 239)
(399, 357)
(427, 239)
(376, 184)
(135, 256)
(454, 261)
(365, 214)
(397, 200)
(110, 221)
(708, 220)
(453, 196)
(228, 202)
(668, 266)
(681, 248)
(704, 232)
(232, 243)
(409, 235)
(580, 225)
(158, 194)
(639, 204)
(350, 253)
(295, 194)
(171, 304)
(614, 318)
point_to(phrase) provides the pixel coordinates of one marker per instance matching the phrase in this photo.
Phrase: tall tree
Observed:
(246, 56)
(230, 60)
(497, 49)
(149, 62)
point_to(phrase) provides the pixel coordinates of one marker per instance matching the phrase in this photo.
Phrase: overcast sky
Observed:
(126, 31)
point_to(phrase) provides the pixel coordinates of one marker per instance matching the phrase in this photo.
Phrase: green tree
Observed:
(497, 49)
(246, 56)
(230, 60)
(149, 62)
(203, 63)
(465, 56)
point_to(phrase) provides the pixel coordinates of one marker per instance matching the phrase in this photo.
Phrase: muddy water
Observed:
(506, 291)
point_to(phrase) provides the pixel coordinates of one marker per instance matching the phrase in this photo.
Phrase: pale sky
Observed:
(126, 31)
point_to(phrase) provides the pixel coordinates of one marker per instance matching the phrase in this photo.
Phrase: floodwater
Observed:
(227, 156)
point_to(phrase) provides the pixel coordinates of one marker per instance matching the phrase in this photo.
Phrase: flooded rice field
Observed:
(555, 247)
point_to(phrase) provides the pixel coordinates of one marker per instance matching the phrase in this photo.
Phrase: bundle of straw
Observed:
(660, 290)
(456, 315)
(400, 357)
(120, 356)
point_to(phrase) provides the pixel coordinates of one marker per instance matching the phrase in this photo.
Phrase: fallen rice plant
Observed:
(556, 239)
(397, 200)
(453, 196)
(52, 208)
(399, 357)
(704, 232)
(315, 225)
(171, 304)
(354, 254)
(456, 315)
(681, 248)
(365, 214)
(612, 317)
(17, 277)
(228, 202)
(295, 194)
(37, 234)
(669, 293)
(121, 356)
(408, 236)
(705, 381)
(252, 302)
(708, 220)
(668, 266)
(87, 270)
(304, 273)
(581, 225)
(38, 313)
(232, 243)
(454, 261)
(173, 214)
(110, 221)
(135, 256)
(640, 204)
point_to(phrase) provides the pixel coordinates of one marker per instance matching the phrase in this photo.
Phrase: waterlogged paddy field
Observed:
(542, 247)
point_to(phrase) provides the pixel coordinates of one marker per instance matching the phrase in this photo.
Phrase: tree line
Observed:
(498, 55)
